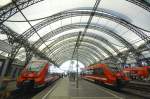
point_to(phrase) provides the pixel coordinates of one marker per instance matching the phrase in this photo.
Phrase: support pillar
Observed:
(139, 58)
(12, 72)
(5, 68)
(12, 55)
(77, 78)
(2, 61)
(17, 72)
(29, 56)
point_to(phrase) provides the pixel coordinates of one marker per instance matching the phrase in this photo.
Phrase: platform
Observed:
(65, 89)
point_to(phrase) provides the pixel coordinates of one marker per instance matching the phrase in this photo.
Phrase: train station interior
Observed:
(74, 49)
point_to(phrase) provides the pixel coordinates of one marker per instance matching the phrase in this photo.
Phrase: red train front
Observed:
(101, 73)
(34, 74)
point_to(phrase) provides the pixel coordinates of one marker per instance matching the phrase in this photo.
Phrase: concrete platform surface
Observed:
(65, 89)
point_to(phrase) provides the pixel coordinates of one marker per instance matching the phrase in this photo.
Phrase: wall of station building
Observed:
(13, 70)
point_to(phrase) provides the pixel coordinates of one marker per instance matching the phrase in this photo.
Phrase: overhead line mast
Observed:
(81, 36)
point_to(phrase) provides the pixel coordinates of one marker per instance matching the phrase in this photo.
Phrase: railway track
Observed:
(27, 94)
(141, 89)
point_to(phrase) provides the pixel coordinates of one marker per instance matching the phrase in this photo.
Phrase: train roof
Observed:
(96, 66)
(39, 61)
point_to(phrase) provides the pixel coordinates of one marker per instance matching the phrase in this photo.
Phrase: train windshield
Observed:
(35, 66)
(114, 69)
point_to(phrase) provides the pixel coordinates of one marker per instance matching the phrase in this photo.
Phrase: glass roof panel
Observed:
(55, 25)
(4, 46)
(103, 44)
(121, 8)
(130, 36)
(44, 30)
(61, 34)
(3, 36)
(120, 30)
(35, 22)
(137, 43)
(106, 36)
(146, 54)
(127, 10)
(147, 33)
(42, 46)
(4, 2)
(1, 51)
(34, 38)
(21, 57)
(62, 22)
(122, 49)
(18, 27)
(112, 25)
(4, 54)
(50, 7)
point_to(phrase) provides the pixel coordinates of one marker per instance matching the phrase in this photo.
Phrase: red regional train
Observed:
(103, 74)
(140, 73)
(36, 74)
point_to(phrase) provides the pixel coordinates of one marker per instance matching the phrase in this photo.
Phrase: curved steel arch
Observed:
(81, 59)
(91, 26)
(83, 48)
(86, 40)
(140, 4)
(72, 43)
(85, 62)
(10, 9)
(86, 49)
(89, 55)
(82, 56)
(90, 48)
(90, 35)
(80, 12)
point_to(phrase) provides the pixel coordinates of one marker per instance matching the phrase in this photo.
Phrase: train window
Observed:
(100, 71)
(35, 66)
(89, 72)
(114, 69)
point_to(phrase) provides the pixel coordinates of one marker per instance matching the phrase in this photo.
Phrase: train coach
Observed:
(138, 72)
(35, 74)
(103, 74)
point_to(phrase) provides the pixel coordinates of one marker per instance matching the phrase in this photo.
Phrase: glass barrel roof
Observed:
(116, 24)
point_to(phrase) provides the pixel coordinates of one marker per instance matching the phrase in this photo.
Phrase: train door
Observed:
(99, 74)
